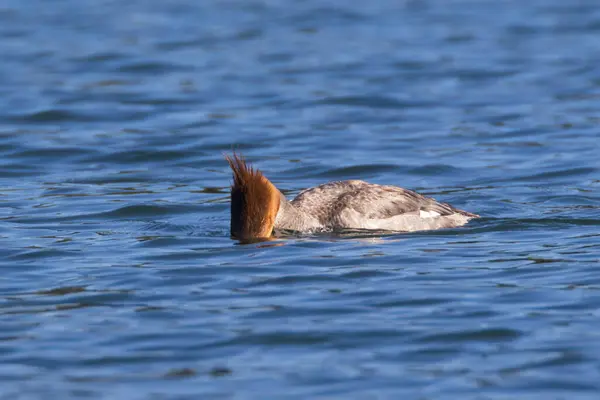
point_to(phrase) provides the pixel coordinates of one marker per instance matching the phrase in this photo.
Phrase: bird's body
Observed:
(357, 204)
(258, 207)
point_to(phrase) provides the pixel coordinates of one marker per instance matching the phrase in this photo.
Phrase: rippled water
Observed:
(119, 279)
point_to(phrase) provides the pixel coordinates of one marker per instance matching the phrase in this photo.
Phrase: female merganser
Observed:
(258, 207)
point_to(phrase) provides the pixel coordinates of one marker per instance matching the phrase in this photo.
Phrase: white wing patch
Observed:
(428, 214)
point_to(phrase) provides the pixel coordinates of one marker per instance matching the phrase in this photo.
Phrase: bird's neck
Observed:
(290, 217)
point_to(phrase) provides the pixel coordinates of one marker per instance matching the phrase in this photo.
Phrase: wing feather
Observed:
(376, 202)
(380, 202)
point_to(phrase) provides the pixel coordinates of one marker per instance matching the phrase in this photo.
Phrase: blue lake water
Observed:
(118, 276)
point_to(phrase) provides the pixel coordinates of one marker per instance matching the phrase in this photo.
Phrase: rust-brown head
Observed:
(254, 201)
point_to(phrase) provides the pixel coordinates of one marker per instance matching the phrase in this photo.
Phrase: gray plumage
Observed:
(356, 204)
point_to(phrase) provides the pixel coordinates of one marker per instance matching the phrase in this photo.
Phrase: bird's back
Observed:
(360, 205)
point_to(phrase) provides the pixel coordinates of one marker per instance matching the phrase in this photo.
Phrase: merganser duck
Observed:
(258, 207)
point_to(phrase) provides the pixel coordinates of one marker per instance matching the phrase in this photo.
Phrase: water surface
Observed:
(119, 279)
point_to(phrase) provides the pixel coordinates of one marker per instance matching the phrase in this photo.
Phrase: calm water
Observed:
(119, 279)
